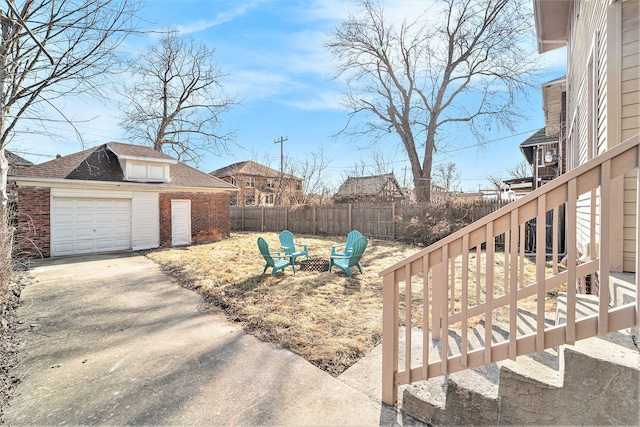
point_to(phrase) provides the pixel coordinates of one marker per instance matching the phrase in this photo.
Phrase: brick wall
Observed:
(210, 216)
(34, 222)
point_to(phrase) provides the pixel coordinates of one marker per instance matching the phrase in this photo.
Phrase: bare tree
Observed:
(378, 163)
(521, 170)
(422, 78)
(51, 50)
(176, 99)
(446, 175)
(496, 182)
(313, 172)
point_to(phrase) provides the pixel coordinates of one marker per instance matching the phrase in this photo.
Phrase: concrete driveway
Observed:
(110, 339)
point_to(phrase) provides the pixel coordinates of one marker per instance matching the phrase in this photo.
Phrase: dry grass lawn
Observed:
(327, 318)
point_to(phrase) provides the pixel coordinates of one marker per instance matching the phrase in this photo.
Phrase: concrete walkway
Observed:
(110, 339)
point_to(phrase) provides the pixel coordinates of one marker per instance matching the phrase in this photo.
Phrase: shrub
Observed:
(440, 219)
(6, 243)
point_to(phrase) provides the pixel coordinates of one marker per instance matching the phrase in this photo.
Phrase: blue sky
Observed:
(273, 52)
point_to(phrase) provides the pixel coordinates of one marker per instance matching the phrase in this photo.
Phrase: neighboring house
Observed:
(603, 99)
(546, 149)
(410, 195)
(260, 185)
(118, 197)
(16, 162)
(554, 104)
(377, 188)
(541, 152)
(515, 188)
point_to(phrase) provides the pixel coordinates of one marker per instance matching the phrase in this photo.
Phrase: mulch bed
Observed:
(10, 339)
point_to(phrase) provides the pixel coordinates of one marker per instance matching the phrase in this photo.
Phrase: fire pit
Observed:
(314, 265)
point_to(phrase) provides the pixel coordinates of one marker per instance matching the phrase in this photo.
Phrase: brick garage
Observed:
(210, 216)
(34, 222)
(117, 197)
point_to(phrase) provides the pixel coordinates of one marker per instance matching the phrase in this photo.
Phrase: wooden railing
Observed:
(462, 280)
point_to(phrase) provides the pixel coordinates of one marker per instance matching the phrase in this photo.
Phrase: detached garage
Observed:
(118, 197)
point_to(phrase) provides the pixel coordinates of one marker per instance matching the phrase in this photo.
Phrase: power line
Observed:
(27, 153)
(478, 144)
(487, 142)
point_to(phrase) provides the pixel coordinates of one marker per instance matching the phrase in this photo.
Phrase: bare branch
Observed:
(176, 99)
(419, 78)
(521, 170)
(51, 50)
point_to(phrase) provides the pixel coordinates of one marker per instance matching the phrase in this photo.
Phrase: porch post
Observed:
(436, 302)
(389, 339)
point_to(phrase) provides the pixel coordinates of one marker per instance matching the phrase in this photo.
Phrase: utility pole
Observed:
(281, 142)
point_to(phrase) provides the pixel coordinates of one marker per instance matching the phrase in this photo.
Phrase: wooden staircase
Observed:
(595, 382)
(467, 284)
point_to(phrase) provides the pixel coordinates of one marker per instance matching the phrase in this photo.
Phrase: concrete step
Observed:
(447, 400)
(622, 289)
(603, 373)
(598, 383)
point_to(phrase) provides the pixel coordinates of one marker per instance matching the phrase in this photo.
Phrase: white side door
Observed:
(180, 222)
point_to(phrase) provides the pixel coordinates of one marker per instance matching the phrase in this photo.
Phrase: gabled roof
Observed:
(15, 161)
(101, 164)
(538, 138)
(366, 186)
(249, 168)
(137, 151)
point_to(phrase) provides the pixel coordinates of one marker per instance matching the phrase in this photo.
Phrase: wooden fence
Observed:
(387, 221)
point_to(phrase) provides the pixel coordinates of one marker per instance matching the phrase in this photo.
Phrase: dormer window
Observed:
(140, 168)
(146, 170)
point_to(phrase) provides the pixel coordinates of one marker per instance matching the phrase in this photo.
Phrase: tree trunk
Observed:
(4, 170)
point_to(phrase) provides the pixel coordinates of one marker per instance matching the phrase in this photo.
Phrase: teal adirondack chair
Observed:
(290, 248)
(346, 248)
(274, 259)
(345, 262)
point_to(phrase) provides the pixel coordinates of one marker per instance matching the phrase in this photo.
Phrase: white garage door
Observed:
(80, 226)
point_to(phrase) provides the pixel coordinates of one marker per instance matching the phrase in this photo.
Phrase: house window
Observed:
(269, 199)
(271, 183)
(234, 181)
(299, 186)
(249, 200)
(234, 200)
(250, 182)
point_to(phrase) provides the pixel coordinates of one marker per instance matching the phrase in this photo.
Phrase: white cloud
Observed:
(307, 54)
(253, 85)
(221, 18)
(324, 10)
(318, 101)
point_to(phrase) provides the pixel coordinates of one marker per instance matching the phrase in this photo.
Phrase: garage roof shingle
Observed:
(101, 164)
